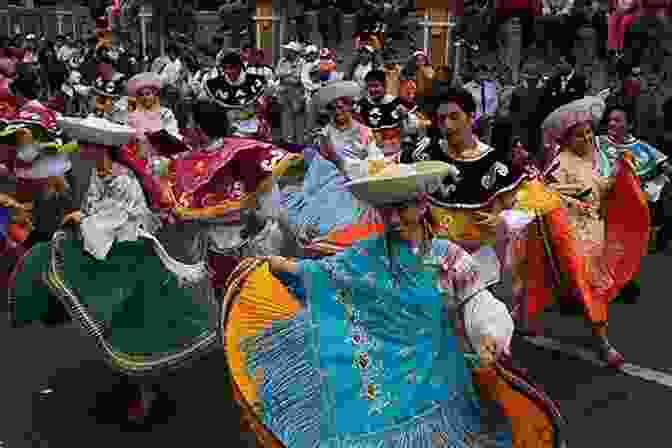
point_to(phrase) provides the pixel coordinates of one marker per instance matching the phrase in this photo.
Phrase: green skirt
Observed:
(141, 316)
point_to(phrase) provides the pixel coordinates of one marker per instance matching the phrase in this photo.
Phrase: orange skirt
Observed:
(255, 299)
(554, 267)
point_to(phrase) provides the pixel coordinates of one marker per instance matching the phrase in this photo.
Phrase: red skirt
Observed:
(558, 268)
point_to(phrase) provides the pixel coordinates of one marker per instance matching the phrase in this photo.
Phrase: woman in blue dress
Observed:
(372, 359)
(341, 150)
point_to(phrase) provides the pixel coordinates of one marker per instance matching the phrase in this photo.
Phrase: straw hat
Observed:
(143, 81)
(400, 183)
(337, 89)
(293, 46)
(97, 131)
(558, 122)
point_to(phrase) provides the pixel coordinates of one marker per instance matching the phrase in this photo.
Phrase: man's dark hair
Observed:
(375, 75)
(173, 48)
(446, 93)
(211, 118)
(231, 58)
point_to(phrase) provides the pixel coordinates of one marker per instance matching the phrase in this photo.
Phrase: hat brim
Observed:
(565, 116)
(40, 133)
(337, 89)
(97, 131)
(98, 92)
(393, 190)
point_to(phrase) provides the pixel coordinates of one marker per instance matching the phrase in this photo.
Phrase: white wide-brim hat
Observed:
(294, 46)
(401, 183)
(587, 109)
(337, 89)
(96, 130)
(143, 81)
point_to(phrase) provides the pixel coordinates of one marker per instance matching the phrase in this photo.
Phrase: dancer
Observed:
(149, 117)
(383, 114)
(586, 251)
(147, 311)
(321, 203)
(243, 95)
(390, 370)
(468, 208)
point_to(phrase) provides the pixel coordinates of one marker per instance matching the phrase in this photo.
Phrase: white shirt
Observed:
(488, 106)
(557, 7)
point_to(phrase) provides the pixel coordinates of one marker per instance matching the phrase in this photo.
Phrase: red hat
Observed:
(56, 103)
(16, 53)
(36, 114)
(105, 71)
(7, 67)
(102, 24)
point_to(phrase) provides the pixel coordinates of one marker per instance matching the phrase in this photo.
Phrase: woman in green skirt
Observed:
(147, 311)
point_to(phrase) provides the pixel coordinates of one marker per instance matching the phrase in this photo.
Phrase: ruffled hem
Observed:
(196, 339)
(280, 360)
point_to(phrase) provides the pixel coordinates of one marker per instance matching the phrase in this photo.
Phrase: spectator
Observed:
(553, 24)
(649, 113)
(330, 18)
(525, 104)
(525, 10)
(564, 87)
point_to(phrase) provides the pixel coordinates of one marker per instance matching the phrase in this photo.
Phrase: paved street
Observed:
(54, 385)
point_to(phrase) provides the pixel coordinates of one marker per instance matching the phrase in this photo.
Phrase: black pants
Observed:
(558, 31)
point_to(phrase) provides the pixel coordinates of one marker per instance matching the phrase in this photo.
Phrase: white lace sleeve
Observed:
(486, 315)
(169, 122)
(118, 214)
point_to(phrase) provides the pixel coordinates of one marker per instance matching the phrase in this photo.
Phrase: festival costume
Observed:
(245, 101)
(647, 161)
(344, 353)
(75, 87)
(321, 204)
(385, 118)
(141, 155)
(487, 183)
(586, 251)
(147, 311)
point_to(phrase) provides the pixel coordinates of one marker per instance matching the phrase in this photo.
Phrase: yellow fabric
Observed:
(534, 197)
(282, 166)
(463, 224)
(255, 300)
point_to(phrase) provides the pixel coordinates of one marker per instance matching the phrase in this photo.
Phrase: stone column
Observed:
(450, 34)
(28, 3)
(59, 22)
(282, 33)
(144, 15)
(515, 44)
(427, 31)
(5, 17)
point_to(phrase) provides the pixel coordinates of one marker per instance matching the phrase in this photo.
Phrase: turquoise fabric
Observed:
(371, 358)
(324, 202)
(646, 157)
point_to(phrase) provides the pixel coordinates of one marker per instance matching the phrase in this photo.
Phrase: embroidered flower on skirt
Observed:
(365, 347)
